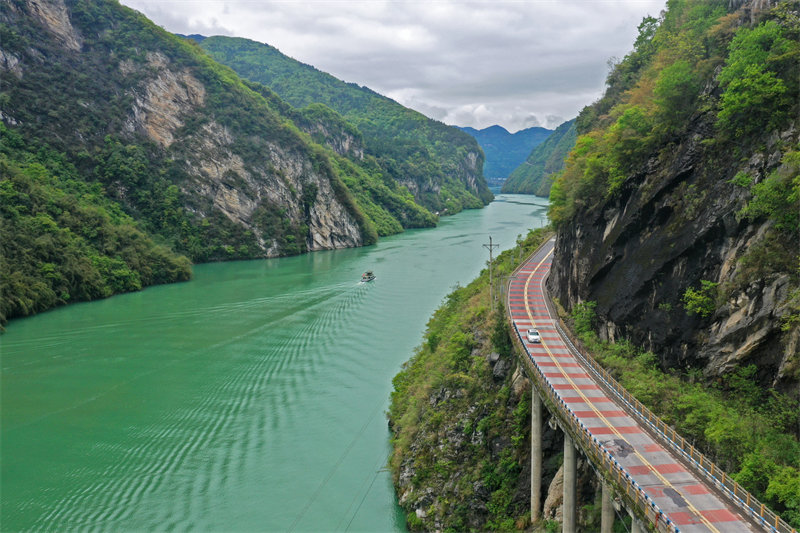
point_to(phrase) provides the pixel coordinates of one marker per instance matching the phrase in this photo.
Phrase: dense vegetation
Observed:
(458, 423)
(536, 173)
(62, 240)
(505, 151)
(749, 431)
(81, 104)
(79, 89)
(409, 147)
(697, 134)
(670, 79)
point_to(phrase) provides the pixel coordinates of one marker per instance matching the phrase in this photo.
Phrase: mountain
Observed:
(126, 152)
(677, 211)
(505, 151)
(534, 175)
(677, 219)
(440, 165)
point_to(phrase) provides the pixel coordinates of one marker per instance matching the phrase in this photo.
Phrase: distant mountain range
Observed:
(505, 151)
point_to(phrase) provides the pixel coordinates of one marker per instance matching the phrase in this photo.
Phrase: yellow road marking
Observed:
(588, 401)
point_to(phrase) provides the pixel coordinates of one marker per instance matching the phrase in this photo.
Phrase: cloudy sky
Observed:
(517, 63)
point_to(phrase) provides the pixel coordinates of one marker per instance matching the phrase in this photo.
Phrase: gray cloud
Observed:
(510, 62)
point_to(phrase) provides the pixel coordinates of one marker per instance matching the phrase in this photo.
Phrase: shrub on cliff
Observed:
(459, 426)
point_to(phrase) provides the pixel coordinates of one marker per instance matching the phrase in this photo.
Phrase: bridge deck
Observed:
(679, 493)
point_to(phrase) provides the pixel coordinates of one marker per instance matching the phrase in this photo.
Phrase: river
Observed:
(252, 398)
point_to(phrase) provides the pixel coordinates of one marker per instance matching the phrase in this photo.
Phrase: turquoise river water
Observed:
(252, 398)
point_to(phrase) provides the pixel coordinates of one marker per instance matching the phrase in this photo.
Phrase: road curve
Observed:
(685, 499)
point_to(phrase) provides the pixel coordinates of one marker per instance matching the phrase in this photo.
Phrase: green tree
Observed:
(701, 301)
(676, 91)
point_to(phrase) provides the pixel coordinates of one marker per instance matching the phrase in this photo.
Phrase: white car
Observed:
(533, 335)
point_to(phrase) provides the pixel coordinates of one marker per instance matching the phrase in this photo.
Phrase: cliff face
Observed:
(110, 72)
(673, 225)
(677, 210)
(440, 165)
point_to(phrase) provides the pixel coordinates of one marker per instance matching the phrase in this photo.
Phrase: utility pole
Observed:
(491, 246)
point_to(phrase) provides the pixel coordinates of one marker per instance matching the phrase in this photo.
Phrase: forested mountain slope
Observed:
(505, 151)
(118, 135)
(535, 174)
(678, 211)
(439, 164)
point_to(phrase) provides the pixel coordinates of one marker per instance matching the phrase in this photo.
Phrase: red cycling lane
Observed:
(682, 496)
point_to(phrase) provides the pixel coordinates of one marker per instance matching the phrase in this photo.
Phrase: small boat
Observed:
(367, 276)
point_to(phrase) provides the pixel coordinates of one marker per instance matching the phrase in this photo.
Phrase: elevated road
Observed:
(669, 488)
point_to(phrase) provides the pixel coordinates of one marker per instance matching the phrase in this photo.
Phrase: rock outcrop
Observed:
(54, 16)
(674, 224)
(234, 155)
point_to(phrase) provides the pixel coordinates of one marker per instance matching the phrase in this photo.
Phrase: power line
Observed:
(491, 247)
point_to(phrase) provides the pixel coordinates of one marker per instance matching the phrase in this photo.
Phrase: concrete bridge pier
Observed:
(636, 524)
(607, 509)
(536, 456)
(570, 478)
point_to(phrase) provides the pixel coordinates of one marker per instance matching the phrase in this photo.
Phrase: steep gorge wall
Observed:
(677, 211)
(674, 224)
(123, 77)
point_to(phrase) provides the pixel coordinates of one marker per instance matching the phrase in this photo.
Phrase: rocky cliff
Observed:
(693, 252)
(440, 165)
(674, 225)
(82, 75)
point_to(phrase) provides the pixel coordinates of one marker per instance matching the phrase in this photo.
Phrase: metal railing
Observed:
(601, 457)
(596, 453)
(748, 503)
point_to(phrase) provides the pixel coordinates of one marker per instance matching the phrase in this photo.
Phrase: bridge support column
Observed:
(636, 524)
(570, 475)
(607, 510)
(536, 456)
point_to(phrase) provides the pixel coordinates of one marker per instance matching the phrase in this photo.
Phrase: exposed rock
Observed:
(553, 508)
(10, 63)
(163, 100)
(342, 143)
(673, 225)
(54, 16)
(520, 384)
(235, 187)
(501, 369)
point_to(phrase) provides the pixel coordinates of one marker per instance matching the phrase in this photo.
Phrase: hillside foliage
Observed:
(457, 425)
(536, 174)
(747, 430)
(409, 147)
(62, 240)
(669, 79)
